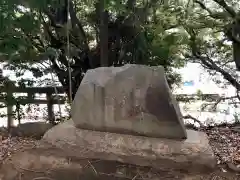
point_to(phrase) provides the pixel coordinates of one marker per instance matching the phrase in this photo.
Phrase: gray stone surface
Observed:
(193, 154)
(45, 162)
(31, 129)
(29, 164)
(132, 99)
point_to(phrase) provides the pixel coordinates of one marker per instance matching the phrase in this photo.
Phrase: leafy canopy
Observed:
(153, 32)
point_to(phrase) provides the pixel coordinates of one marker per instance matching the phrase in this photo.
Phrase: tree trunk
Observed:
(236, 54)
(103, 34)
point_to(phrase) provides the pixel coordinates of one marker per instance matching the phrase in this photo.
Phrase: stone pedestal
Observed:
(193, 154)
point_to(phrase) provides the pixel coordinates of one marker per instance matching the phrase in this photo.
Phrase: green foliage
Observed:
(167, 33)
(29, 37)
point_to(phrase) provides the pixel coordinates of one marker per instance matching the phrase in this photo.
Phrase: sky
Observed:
(191, 72)
(202, 81)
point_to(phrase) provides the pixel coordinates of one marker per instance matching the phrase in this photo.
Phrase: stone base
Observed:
(46, 163)
(192, 154)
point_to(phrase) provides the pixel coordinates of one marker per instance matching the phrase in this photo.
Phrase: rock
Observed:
(132, 99)
(31, 129)
(193, 154)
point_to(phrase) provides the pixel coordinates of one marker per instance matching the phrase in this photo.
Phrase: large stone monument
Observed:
(132, 99)
(128, 114)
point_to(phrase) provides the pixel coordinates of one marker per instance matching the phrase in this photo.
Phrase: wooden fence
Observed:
(53, 97)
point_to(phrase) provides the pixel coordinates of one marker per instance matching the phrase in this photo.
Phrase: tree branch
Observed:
(208, 62)
(215, 15)
(54, 41)
(130, 4)
(194, 119)
(76, 21)
(203, 6)
(227, 8)
(212, 65)
(214, 105)
(60, 73)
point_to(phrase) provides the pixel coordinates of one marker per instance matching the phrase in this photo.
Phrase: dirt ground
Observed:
(49, 164)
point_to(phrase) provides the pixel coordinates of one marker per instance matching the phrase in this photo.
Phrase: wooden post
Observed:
(9, 116)
(51, 117)
(18, 106)
(9, 102)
